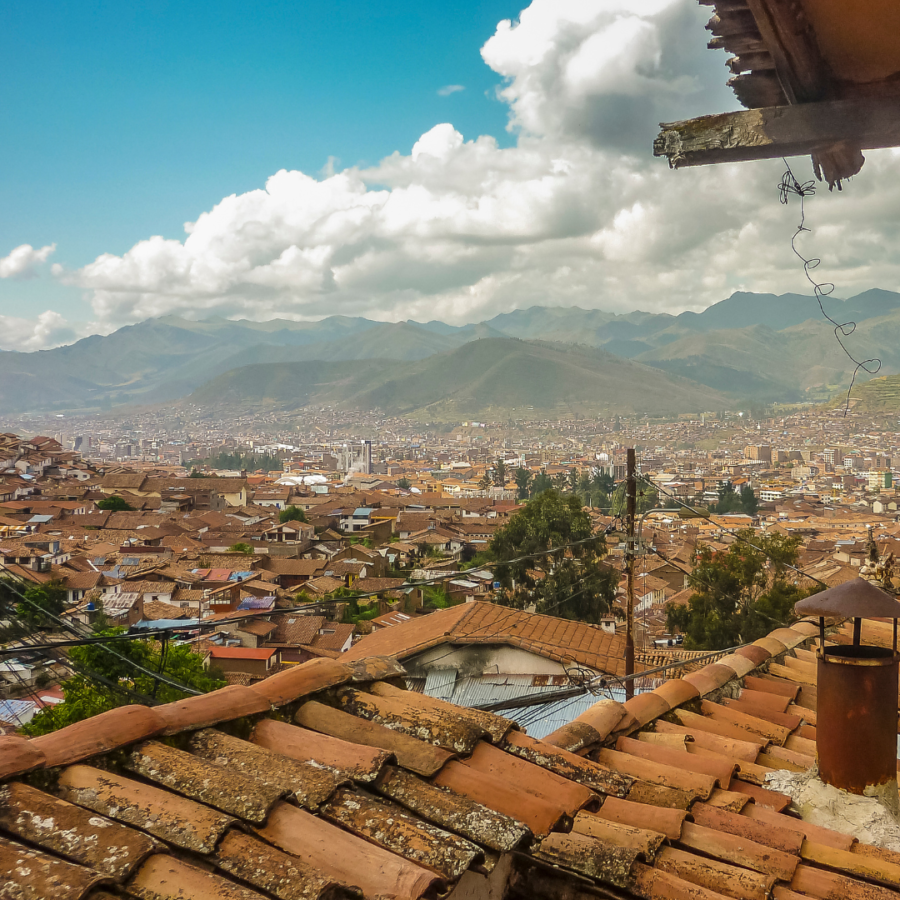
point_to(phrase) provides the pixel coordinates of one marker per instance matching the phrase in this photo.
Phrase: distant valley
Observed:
(750, 347)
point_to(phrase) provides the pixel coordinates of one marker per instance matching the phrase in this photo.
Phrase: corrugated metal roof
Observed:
(440, 683)
(479, 690)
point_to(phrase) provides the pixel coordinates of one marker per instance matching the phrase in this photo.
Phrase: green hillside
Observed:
(878, 395)
(484, 378)
(751, 346)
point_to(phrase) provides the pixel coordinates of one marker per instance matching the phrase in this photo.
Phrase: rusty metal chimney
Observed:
(856, 734)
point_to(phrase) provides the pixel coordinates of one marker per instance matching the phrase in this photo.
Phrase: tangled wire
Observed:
(790, 186)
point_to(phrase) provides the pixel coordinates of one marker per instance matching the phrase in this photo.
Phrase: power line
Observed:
(821, 289)
(130, 662)
(704, 514)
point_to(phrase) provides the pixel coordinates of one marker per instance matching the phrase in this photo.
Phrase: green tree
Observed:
(572, 481)
(540, 483)
(485, 482)
(572, 583)
(740, 594)
(523, 483)
(36, 610)
(404, 483)
(85, 696)
(114, 504)
(748, 500)
(241, 547)
(729, 500)
(584, 491)
(499, 473)
(292, 514)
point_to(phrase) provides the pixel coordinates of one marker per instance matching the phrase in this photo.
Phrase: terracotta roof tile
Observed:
(721, 771)
(569, 765)
(358, 763)
(33, 875)
(641, 815)
(72, 832)
(700, 786)
(413, 754)
(495, 726)
(166, 878)
(165, 815)
(676, 692)
(336, 852)
(647, 707)
(756, 654)
(768, 833)
(386, 824)
(308, 783)
(645, 841)
(739, 850)
(539, 814)
(215, 785)
(450, 732)
(226, 704)
(18, 755)
(726, 879)
(540, 782)
(99, 734)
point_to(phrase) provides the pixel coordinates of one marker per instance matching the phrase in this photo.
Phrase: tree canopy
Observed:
(740, 594)
(730, 501)
(571, 584)
(404, 483)
(85, 696)
(241, 547)
(523, 483)
(292, 514)
(226, 459)
(115, 503)
(40, 604)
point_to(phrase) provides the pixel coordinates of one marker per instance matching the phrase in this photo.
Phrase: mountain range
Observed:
(750, 347)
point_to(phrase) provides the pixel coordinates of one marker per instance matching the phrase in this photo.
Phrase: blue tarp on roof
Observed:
(160, 624)
(16, 712)
(240, 576)
(257, 603)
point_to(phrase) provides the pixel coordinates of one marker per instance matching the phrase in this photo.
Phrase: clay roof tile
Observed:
(232, 702)
(99, 734)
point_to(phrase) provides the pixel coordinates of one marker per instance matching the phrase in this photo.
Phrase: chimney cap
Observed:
(857, 599)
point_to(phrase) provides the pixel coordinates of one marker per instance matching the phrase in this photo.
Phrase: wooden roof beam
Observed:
(772, 132)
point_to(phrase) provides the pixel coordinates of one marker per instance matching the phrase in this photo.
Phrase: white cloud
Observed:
(577, 212)
(21, 263)
(449, 89)
(49, 329)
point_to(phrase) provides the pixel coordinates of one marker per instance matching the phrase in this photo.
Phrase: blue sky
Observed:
(533, 185)
(122, 120)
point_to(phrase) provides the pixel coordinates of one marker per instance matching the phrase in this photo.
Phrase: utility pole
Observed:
(630, 503)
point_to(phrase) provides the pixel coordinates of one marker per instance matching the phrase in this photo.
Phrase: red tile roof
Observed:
(487, 623)
(240, 653)
(355, 781)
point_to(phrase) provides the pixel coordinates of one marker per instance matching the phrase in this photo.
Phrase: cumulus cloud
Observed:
(49, 329)
(577, 212)
(449, 89)
(22, 262)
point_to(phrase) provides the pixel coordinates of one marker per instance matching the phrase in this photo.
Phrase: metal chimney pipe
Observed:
(857, 685)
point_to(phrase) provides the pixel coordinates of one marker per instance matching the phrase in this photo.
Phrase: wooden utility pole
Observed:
(630, 504)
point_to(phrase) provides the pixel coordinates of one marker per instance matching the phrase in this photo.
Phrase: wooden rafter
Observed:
(795, 102)
(773, 132)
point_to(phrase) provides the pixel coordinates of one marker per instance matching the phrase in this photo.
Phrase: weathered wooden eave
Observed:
(842, 126)
(796, 103)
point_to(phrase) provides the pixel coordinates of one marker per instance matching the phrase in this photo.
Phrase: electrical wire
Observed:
(704, 514)
(68, 626)
(789, 186)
